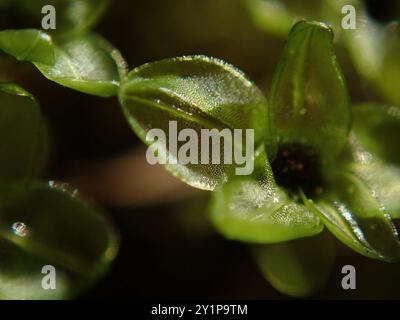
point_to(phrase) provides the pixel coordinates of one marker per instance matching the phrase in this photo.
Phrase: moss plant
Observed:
(319, 165)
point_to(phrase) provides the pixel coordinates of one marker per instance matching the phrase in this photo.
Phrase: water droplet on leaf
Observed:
(20, 229)
(64, 187)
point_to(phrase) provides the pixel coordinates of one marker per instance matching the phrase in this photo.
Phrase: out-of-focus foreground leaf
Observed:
(87, 63)
(309, 102)
(23, 134)
(41, 225)
(198, 93)
(300, 267)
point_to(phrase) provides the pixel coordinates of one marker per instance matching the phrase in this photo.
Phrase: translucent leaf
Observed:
(381, 177)
(87, 63)
(355, 214)
(300, 267)
(375, 151)
(198, 93)
(308, 102)
(23, 132)
(29, 45)
(72, 16)
(256, 210)
(42, 226)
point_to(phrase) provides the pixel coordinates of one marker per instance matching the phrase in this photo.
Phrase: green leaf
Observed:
(72, 16)
(198, 93)
(28, 45)
(42, 224)
(86, 63)
(354, 212)
(382, 178)
(23, 132)
(299, 268)
(375, 151)
(309, 103)
(254, 209)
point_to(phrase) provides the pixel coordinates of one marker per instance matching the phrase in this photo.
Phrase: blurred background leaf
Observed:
(24, 135)
(72, 16)
(277, 17)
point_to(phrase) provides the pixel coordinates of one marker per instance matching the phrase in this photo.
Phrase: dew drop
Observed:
(20, 229)
(64, 187)
(248, 84)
